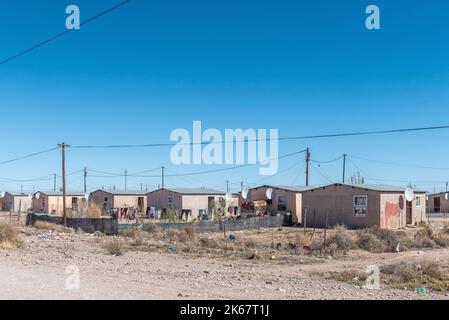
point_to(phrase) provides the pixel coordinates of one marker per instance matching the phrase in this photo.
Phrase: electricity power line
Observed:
(59, 35)
(28, 156)
(335, 135)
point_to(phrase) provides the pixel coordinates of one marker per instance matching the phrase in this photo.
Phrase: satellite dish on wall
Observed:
(427, 198)
(409, 194)
(446, 196)
(245, 194)
(228, 196)
(270, 193)
(2, 194)
(37, 195)
(86, 196)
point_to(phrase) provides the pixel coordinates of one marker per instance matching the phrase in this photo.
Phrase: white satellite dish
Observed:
(446, 196)
(427, 198)
(37, 195)
(86, 196)
(228, 196)
(245, 194)
(2, 194)
(270, 193)
(409, 194)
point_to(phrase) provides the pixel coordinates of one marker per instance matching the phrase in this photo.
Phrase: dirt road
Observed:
(38, 271)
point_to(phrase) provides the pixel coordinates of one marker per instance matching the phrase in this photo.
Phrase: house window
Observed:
(360, 206)
(282, 203)
(418, 202)
(106, 199)
(171, 202)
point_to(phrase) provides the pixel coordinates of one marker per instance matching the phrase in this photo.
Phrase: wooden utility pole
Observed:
(85, 180)
(163, 177)
(54, 182)
(64, 209)
(344, 167)
(307, 166)
(126, 180)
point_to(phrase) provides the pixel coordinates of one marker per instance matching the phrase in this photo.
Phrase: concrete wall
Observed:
(294, 200)
(124, 201)
(444, 204)
(197, 203)
(337, 202)
(393, 208)
(12, 203)
(53, 204)
(104, 225)
(218, 226)
(159, 199)
(107, 201)
(385, 209)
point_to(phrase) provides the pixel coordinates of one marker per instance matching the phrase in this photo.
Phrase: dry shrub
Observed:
(94, 211)
(337, 243)
(424, 238)
(302, 240)
(8, 234)
(152, 228)
(43, 225)
(412, 275)
(369, 242)
(446, 229)
(190, 232)
(208, 242)
(250, 244)
(441, 239)
(114, 248)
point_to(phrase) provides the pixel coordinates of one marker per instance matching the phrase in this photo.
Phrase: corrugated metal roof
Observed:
(194, 191)
(18, 194)
(375, 187)
(288, 188)
(125, 192)
(68, 193)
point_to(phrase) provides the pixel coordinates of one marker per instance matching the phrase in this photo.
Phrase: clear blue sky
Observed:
(304, 67)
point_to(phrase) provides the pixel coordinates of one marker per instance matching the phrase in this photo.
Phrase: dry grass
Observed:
(404, 275)
(8, 236)
(114, 247)
(94, 211)
(42, 225)
(429, 275)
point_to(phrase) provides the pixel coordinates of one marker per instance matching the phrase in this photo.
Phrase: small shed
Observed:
(17, 201)
(438, 202)
(52, 202)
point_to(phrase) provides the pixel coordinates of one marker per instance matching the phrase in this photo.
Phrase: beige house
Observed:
(52, 202)
(114, 199)
(284, 199)
(361, 206)
(199, 201)
(438, 202)
(17, 201)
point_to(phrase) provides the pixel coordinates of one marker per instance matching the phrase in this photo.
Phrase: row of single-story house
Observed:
(356, 206)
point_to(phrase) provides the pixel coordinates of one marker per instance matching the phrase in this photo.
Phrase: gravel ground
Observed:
(38, 271)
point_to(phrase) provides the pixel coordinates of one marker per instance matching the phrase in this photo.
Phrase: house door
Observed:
(140, 204)
(437, 205)
(409, 213)
(75, 204)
